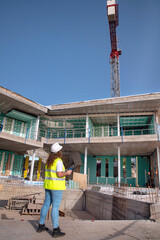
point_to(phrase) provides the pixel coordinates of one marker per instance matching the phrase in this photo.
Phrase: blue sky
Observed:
(57, 51)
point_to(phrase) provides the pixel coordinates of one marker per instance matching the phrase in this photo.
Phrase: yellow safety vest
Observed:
(52, 181)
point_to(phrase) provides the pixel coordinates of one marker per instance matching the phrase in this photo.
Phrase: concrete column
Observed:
(2, 162)
(7, 170)
(118, 125)
(36, 128)
(30, 131)
(85, 161)
(156, 118)
(25, 129)
(158, 163)
(4, 121)
(102, 131)
(39, 168)
(22, 126)
(21, 162)
(87, 126)
(155, 124)
(136, 171)
(12, 126)
(119, 167)
(32, 165)
(12, 161)
(46, 133)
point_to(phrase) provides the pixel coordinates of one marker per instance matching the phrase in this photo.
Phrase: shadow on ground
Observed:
(35, 223)
(4, 217)
(121, 233)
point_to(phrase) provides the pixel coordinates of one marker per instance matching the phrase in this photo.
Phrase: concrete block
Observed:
(38, 206)
(39, 201)
(31, 206)
(155, 212)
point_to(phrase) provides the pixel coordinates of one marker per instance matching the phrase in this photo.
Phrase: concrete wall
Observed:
(73, 199)
(99, 205)
(128, 209)
(102, 206)
(155, 212)
(107, 207)
(9, 189)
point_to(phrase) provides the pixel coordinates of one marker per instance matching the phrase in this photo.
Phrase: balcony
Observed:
(98, 132)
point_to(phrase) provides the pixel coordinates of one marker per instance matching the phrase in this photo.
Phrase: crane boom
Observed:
(113, 19)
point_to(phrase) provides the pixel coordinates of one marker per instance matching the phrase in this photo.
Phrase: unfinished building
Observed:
(113, 141)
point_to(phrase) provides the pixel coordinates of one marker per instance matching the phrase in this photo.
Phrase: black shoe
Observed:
(57, 233)
(41, 228)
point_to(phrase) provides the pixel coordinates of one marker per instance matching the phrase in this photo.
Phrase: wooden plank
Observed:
(81, 179)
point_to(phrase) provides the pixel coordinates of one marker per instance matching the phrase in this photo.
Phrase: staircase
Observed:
(76, 157)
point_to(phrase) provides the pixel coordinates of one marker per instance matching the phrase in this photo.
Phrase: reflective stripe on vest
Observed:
(52, 181)
(55, 179)
(49, 170)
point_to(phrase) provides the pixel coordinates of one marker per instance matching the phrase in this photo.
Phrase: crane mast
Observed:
(113, 19)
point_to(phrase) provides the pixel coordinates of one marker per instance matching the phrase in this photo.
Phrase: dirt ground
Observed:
(13, 226)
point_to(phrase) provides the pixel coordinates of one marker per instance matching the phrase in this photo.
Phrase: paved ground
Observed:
(13, 226)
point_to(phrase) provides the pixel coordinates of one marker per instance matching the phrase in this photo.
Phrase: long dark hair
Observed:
(52, 157)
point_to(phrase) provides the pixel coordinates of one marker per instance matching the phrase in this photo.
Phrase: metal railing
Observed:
(98, 131)
(95, 131)
(27, 134)
(62, 133)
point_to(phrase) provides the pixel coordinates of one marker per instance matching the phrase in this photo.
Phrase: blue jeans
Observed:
(53, 197)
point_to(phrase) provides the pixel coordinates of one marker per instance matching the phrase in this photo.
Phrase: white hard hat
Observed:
(56, 148)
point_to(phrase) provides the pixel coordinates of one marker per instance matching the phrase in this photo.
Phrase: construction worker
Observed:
(54, 185)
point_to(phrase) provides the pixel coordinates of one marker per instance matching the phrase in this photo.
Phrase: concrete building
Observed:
(113, 140)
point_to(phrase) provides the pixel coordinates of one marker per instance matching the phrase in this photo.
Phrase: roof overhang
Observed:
(119, 105)
(20, 116)
(13, 101)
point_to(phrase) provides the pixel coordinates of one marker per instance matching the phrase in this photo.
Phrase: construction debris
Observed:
(34, 205)
(29, 205)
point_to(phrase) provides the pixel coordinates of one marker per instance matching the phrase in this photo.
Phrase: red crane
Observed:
(113, 19)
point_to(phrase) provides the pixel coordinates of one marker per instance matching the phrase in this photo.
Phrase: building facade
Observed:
(113, 141)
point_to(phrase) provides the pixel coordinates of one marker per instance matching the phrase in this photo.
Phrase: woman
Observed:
(54, 185)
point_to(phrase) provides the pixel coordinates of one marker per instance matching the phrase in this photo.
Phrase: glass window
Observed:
(124, 167)
(107, 167)
(98, 167)
(133, 167)
(115, 167)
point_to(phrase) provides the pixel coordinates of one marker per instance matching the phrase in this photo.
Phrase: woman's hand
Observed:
(69, 172)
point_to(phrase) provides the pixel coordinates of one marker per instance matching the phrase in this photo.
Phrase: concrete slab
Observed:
(14, 226)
